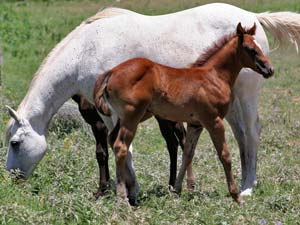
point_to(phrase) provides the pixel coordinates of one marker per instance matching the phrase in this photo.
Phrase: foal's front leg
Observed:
(174, 135)
(217, 133)
(192, 136)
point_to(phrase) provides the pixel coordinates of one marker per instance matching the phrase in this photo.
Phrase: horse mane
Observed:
(103, 13)
(106, 13)
(214, 48)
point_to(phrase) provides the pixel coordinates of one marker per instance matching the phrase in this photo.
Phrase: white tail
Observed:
(284, 26)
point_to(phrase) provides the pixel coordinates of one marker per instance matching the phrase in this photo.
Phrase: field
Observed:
(60, 191)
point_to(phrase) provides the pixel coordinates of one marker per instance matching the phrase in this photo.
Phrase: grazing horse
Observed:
(139, 88)
(115, 35)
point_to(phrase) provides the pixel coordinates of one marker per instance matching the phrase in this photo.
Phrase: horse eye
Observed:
(14, 143)
(251, 51)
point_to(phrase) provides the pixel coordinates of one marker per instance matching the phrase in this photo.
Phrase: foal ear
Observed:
(252, 30)
(240, 30)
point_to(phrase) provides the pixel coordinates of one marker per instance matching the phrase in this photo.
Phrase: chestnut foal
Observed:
(200, 96)
(173, 133)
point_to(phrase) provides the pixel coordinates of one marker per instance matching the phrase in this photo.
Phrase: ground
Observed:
(61, 188)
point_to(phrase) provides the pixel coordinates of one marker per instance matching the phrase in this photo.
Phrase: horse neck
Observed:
(50, 88)
(226, 62)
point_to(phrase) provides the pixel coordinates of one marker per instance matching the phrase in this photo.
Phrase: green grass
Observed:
(61, 188)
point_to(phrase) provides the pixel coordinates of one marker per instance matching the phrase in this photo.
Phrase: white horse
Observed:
(115, 35)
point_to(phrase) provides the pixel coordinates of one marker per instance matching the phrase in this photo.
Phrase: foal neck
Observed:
(226, 62)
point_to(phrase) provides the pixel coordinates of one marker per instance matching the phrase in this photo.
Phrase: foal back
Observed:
(170, 93)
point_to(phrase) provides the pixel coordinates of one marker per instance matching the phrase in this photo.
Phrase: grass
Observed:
(61, 188)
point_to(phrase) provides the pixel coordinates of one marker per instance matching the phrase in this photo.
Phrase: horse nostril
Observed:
(271, 70)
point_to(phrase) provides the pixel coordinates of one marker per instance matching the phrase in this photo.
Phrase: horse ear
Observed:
(13, 114)
(252, 30)
(240, 30)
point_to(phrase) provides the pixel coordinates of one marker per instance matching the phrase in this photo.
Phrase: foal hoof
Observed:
(190, 185)
(133, 202)
(239, 199)
(101, 191)
(99, 194)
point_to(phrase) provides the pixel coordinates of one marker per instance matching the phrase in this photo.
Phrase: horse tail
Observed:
(100, 92)
(283, 26)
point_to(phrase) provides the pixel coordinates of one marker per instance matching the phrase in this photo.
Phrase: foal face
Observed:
(252, 55)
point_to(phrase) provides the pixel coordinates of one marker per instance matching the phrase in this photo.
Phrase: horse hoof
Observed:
(246, 192)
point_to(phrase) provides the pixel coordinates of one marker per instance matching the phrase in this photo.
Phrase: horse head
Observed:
(26, 147)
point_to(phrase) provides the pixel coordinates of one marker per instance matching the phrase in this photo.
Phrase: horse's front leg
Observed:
(192, 136)
(217, 133)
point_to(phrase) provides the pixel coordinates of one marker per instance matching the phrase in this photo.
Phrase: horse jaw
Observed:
(29, 152)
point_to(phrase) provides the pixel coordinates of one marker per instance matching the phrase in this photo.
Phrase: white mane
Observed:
(105, 13)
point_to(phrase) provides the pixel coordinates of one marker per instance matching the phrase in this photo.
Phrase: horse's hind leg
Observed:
(90, 115)
(192, 136)
(243, 118)
(217, 133)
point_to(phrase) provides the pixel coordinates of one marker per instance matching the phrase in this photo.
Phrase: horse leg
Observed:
(243, 118)
(217, 134)
(90, 115)
(192, 136)
(236, 121)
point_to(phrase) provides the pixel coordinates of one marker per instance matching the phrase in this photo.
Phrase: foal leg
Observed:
(90, 115)
(167, 130)
(217, 134)
(181, 135)
(192, 136)
(100, 133)
(124, 177)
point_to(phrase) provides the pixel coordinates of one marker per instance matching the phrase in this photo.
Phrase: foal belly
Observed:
(175, 113)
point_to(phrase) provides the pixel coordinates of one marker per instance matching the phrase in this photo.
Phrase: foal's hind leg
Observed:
(181, 135)
(192, 136)
(217, 133)
(125, 176)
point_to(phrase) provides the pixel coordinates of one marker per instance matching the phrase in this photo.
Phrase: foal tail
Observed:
(283, 26)
(100, 92)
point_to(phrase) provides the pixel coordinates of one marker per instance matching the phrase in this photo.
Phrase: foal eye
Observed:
(14, 143)
(251, 51)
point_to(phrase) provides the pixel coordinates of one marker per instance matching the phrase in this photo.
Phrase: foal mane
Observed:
(214, 48)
